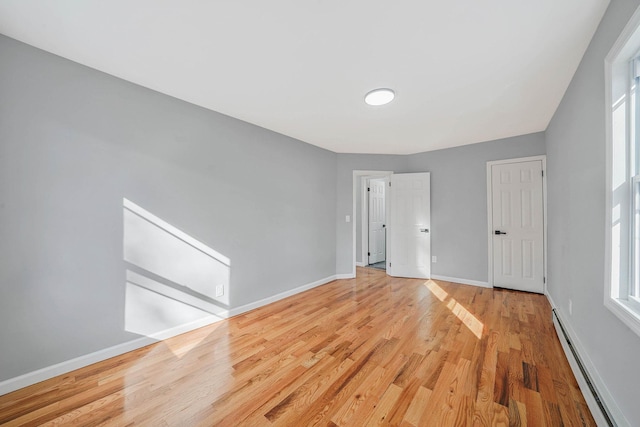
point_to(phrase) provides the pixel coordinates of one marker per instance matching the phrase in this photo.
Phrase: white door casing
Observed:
(517, 225)
(377, 230)
(409, 234)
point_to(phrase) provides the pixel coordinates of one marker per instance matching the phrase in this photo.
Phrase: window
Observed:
(622, 272)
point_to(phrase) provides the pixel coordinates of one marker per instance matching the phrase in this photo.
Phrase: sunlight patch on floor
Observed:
(468, 319)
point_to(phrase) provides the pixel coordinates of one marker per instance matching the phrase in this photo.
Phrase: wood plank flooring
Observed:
(374, 350)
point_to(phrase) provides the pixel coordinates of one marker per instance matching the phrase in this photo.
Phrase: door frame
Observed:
(490, 239)
(357, 179)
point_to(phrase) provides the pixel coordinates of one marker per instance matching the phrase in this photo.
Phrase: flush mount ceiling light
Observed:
(379, 97)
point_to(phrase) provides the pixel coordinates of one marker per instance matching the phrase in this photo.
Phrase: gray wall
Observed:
(576, 185)
(459, 201)
(74, 142)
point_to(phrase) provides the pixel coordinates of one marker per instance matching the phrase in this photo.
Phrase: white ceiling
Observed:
(464, 71)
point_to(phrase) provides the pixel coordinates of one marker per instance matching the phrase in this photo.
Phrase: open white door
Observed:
(409, 235)
(377, 225)
(517, 225)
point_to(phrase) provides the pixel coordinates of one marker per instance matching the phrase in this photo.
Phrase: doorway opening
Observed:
(375, 226)
(408, 241)
(361, 179)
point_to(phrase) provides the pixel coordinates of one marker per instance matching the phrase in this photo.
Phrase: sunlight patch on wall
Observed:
(149, 313)
(162, 249)
(172, 279)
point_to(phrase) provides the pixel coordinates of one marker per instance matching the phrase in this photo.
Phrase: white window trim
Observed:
(630, 36)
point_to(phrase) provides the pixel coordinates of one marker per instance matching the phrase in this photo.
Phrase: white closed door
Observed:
(409, 231)
(377, 225)
(517, 234)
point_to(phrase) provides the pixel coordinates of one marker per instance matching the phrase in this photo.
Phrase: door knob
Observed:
(424, 230)
(497, 232)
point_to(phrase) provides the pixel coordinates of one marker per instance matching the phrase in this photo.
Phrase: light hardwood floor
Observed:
(372, 350)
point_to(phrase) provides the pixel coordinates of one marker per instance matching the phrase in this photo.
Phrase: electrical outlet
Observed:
(219, 290)
(570, 308)
(434, 259)
(347, 218)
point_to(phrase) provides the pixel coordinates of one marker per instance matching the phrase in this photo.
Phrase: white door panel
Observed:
(518, 225)
(409, 226)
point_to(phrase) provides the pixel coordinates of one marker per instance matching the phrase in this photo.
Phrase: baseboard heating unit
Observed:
(597, 406)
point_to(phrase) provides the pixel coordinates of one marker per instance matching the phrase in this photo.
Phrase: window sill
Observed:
(625, 311)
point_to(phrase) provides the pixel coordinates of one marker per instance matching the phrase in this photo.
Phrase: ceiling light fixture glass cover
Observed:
(379, 97)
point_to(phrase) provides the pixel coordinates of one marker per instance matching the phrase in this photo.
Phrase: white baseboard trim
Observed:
(592, 372)
(30, 378)
(277, 297)
(345, 276)
(360, 264)
(462, 281)
(48, 372)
